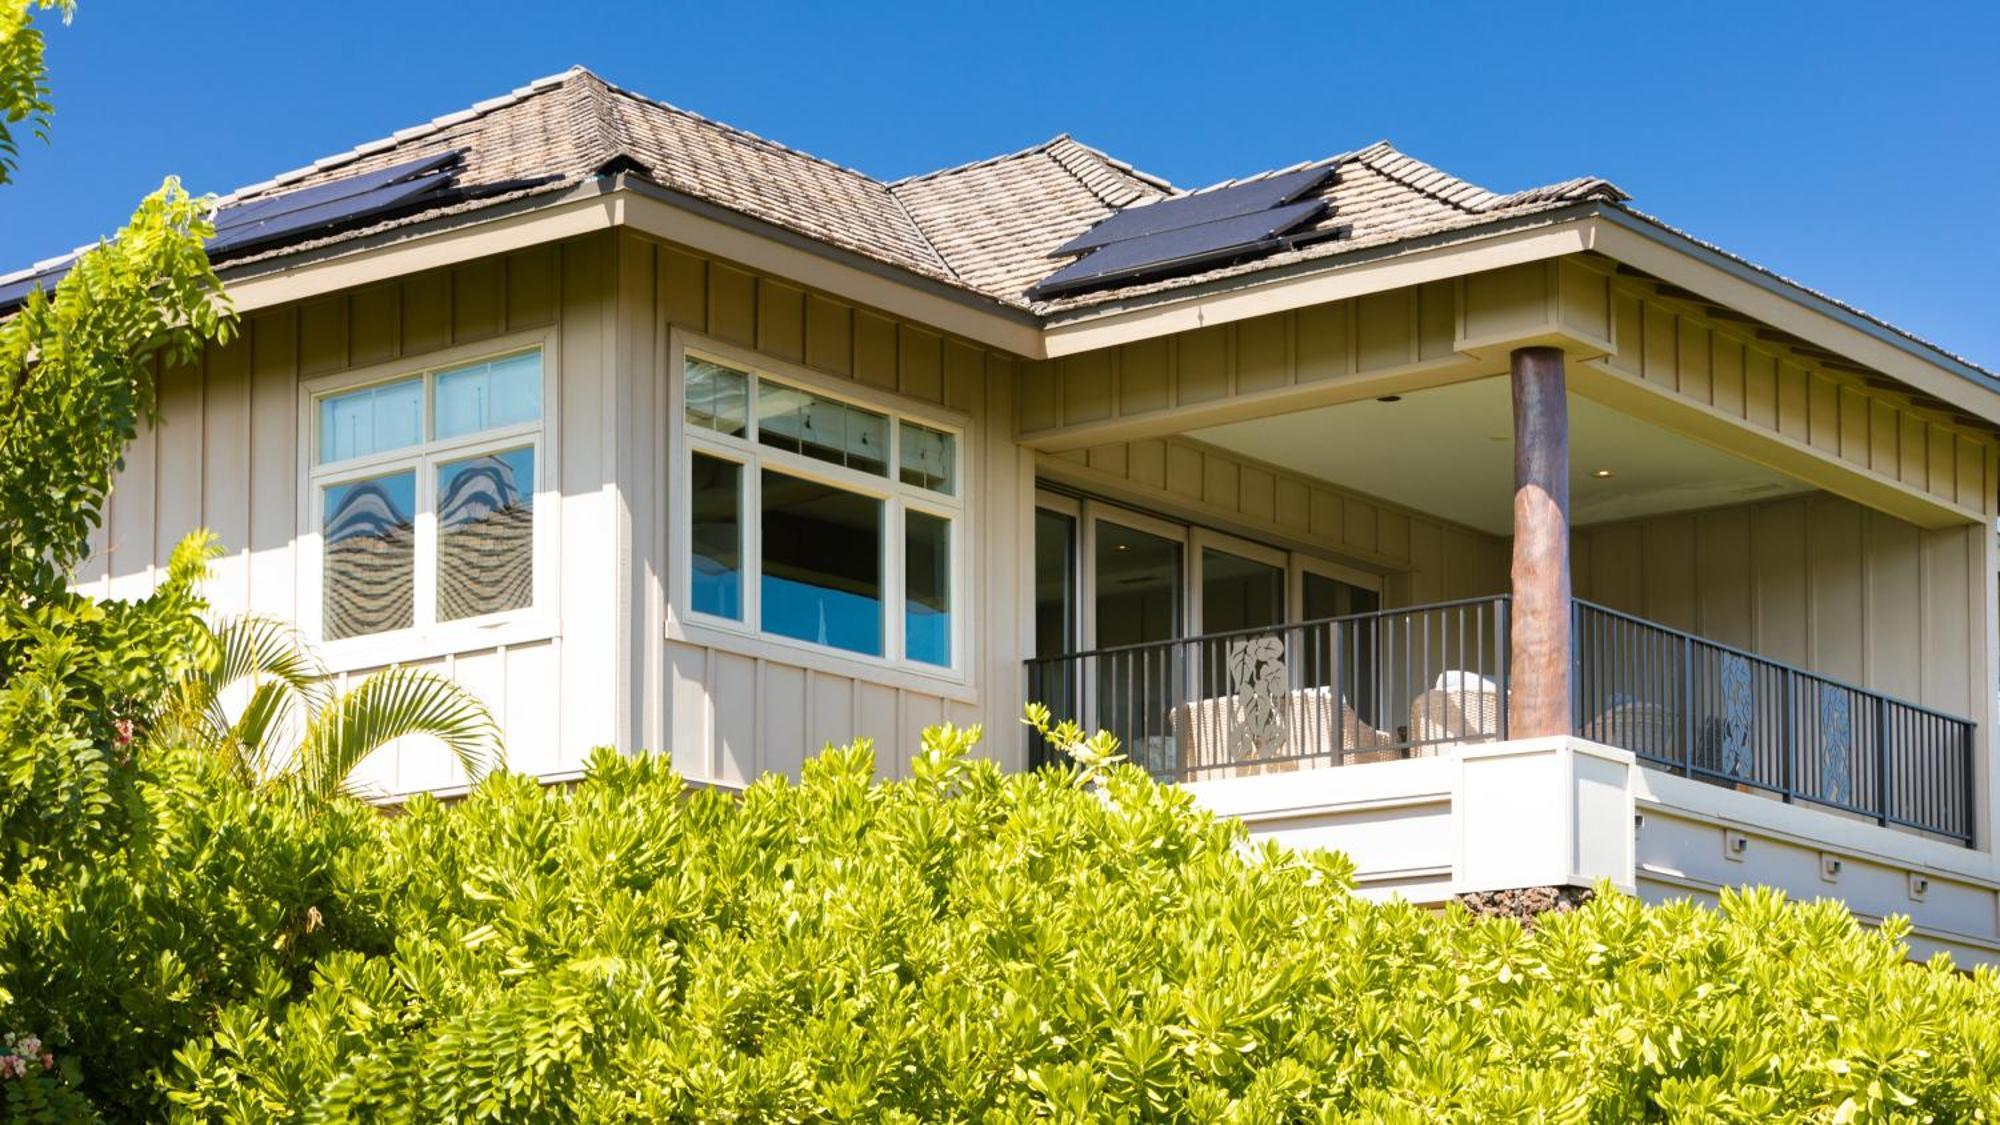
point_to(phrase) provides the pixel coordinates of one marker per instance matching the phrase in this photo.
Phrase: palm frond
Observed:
(393, 704)
(267, 713)
(261, 649)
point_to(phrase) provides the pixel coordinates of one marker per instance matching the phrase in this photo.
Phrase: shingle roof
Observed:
(1378, 196)
(987, 227)
(995, 221)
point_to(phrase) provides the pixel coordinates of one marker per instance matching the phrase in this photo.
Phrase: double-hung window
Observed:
(422, 491)
(820, 520)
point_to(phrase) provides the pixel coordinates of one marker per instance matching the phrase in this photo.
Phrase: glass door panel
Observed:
(1350, 652)
(1138, 589)
(1239, 593)
(1054, 682)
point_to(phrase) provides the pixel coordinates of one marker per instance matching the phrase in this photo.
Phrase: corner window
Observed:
(819, 520)
(424, 491)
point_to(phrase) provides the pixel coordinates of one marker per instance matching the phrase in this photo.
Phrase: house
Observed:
(1505, 541)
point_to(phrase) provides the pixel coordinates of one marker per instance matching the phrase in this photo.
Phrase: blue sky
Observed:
(1855, 148)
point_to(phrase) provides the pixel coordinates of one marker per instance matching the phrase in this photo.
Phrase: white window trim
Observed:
(429, 639)
(745, 637)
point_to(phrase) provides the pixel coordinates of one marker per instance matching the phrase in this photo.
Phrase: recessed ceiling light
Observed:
(1602, 474)
(1390, 398)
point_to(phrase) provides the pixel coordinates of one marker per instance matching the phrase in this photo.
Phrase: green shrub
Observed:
(219, 893)
(968, 945)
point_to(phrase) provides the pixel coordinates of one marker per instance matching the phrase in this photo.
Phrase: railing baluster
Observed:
(1655, 691)
(1882, 789)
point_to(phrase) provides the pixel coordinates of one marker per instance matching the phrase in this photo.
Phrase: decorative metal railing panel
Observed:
(1723, 715)
(1371, 687)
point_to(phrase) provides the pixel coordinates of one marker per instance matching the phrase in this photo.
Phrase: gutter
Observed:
(601, 203)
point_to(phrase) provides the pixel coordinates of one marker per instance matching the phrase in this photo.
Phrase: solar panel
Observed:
(290, 223)
(1194, 210)
(257, 210)
(240, 226)
(1179, 247)
(16, 292)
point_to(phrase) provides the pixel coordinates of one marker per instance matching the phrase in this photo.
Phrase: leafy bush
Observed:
(968, 945)
(219, 893)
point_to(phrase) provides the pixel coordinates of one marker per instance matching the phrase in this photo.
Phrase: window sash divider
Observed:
(424, 460)
(897, 498)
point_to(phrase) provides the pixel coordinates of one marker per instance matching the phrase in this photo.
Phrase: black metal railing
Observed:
(1408, 682)
(1369, 687)
(1723, 715)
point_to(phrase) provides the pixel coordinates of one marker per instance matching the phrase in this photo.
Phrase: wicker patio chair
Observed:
(1460, 707)
(1204, 728)
(1637, 725)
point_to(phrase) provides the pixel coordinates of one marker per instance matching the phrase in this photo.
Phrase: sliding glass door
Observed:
(1348, 656)
(1156, 602)
(1139, 599)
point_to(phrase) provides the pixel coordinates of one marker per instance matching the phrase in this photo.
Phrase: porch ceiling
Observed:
(1449, 451)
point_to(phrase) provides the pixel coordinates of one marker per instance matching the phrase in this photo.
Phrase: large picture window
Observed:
(423, 487)
(819, 520)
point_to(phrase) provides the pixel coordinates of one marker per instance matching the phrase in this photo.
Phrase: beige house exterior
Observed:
(1780, 524)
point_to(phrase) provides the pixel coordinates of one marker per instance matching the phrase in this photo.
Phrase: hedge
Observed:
(968, 945)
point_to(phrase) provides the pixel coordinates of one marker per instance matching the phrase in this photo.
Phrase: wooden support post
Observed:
(1539, 681)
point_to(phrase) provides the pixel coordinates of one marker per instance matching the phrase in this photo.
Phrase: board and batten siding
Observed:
(1422, 559)
(1816, 581)
(1633, 344)
(1740, 373)
(1373, 345)
(226, 455)
(732, 709)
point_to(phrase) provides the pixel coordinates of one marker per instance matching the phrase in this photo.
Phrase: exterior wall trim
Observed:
(1609, 230)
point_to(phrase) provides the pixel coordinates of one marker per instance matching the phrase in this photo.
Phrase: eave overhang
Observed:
(627, 200)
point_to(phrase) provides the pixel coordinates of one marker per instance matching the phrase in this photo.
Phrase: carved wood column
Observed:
(1539, 676)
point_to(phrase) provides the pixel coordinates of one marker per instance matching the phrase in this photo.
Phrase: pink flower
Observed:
(12, 1066)
(29, 1046)
(124, 729)
(48, 1061)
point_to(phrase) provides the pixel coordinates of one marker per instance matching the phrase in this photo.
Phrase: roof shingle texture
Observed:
(988, 227)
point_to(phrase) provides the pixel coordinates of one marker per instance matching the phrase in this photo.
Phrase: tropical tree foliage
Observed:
(77, 370)
(968, 945)
(24, 86)
(290, 728)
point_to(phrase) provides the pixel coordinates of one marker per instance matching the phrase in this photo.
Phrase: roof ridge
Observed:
(1056, 149)
(1336, 158)
(1110, 161)
(982, 162)
(435, 125)
(1472, 198)
(1427, 178)
(745, 134)
(1578, 187)
(611, 139)
(1125, 166)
